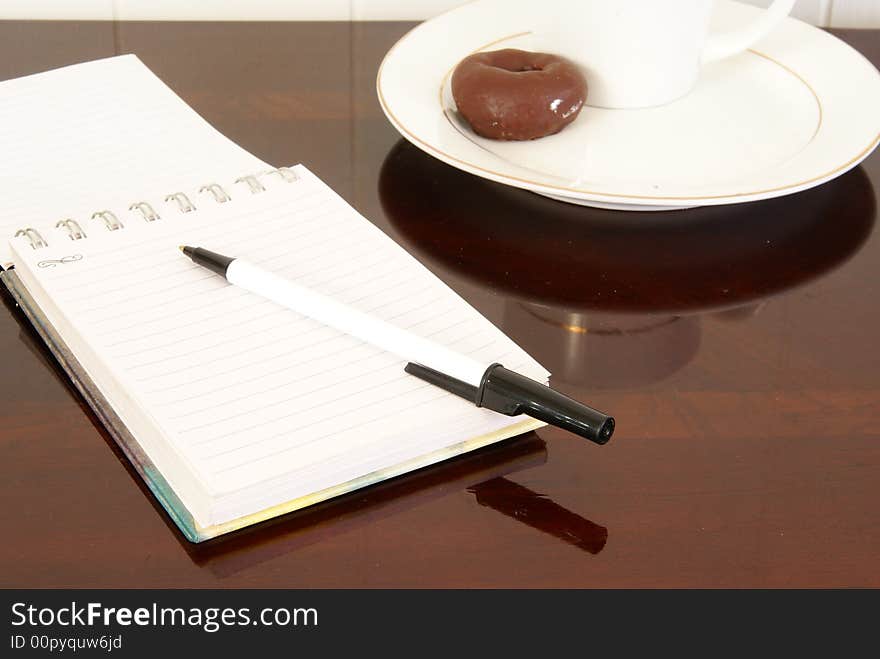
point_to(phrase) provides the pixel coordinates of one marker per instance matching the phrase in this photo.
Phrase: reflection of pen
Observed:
(540, 512)
(486, 385)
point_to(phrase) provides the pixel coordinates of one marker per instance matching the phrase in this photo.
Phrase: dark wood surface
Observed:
(736, 346)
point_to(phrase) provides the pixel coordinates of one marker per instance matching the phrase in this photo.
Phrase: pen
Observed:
(486, 385)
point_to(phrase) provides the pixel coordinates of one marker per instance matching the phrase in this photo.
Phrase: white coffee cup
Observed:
(642, 53)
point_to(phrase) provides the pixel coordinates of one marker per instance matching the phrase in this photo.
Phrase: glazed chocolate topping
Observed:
(518, 95)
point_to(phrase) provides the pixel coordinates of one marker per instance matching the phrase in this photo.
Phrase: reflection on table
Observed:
(619, 298)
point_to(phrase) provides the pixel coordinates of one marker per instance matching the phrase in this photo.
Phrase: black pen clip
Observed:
(510, 393)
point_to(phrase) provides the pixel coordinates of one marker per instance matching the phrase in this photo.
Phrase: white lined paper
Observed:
(248, 392)
(108, 132)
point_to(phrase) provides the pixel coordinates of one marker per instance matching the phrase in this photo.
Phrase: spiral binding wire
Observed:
(74, 230)
(286, 173)
(219, 193)
(184, 205)
(146, 210)
(252, 182)
(109, 219)
(183, 202)
(34, 238)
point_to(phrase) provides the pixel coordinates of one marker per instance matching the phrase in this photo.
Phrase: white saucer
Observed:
(799, 109)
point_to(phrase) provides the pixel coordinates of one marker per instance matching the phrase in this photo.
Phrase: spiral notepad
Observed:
(232, 408)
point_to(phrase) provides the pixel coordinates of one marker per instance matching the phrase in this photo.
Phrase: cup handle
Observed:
(725, 44)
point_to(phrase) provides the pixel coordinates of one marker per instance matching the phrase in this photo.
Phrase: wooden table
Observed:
(736, 346)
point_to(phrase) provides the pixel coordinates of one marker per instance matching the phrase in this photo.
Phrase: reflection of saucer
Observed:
(769, 122)
(600, 350)
(582, 259)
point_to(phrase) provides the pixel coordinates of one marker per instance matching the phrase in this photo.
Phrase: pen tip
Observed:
(181, 247)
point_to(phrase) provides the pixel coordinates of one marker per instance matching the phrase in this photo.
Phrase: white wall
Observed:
(834, 13)
(837, 13)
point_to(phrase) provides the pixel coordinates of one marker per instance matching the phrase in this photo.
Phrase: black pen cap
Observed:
(508, 392)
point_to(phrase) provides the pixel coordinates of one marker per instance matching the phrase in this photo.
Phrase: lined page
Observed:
(101, 135)
(250, 393)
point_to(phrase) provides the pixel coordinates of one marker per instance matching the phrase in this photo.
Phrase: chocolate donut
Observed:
(518, 95)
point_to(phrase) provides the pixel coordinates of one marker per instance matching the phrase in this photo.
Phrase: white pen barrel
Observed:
(358, 324)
